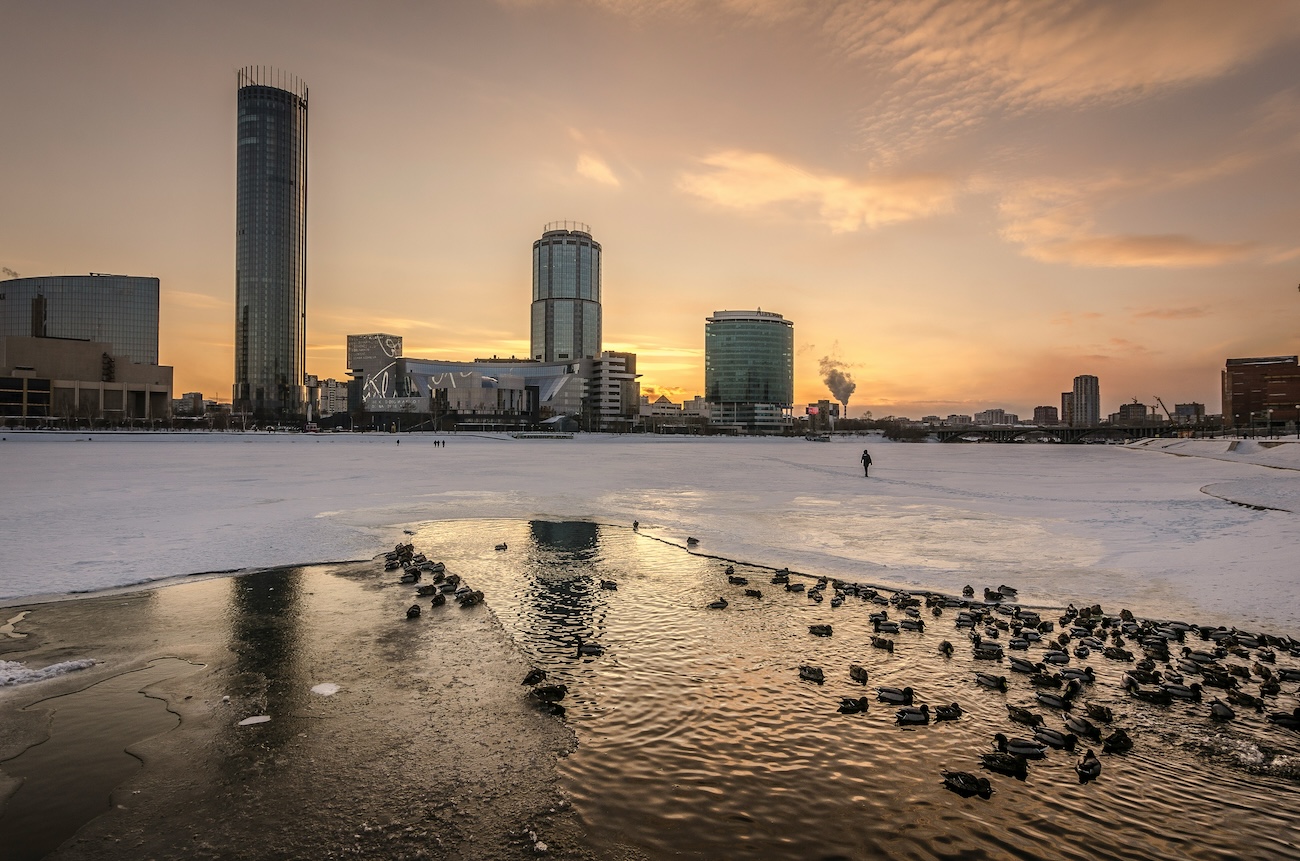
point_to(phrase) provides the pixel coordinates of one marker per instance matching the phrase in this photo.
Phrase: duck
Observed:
(988, 680)
(503, 546)
(549, 693)
(1184, 692)
(1088, 767)
(1082, 727)
(897, 696)
(948, 712)
(1008, 591)
(1219, 710)
(1241, 698)
(636, 525)
(913, 714)
(1117, 742)
(794, 587)
(1099, 712)
(780, 577)
(1147, 693)
(720, 604)
(968, 591)
(534, 677)
(753, 593)
(1024, 716)
(426, 590)
(1084, 676)
(691, 542)
(1056, 656)
(736, 580)
(593, 650)
(437, 600)
(945, 649)
(1056, 738)
(853, 705)
(1289, 721)
(609, 585)
(967, 785)
(470, 599)
(1020, 665)
(1058, 701)
(729, 570)
(1019, 746)
(911, 624)
(858, 673)
(820, 630)
(883, 627)
(413, 611)
(1045, 680)
(1006, 763)
(883, 643)
(812, 674)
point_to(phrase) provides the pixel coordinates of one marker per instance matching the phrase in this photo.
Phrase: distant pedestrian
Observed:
(866, 463)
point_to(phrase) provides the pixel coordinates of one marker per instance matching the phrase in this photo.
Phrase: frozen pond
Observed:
(1101, 523)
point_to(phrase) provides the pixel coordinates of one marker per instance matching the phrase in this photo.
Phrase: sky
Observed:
(961, 205)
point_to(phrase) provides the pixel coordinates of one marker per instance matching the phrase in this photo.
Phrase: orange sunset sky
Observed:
(965, 204)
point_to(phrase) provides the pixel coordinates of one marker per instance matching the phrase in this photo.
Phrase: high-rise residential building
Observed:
(749, 369)
(1067, 409)
(271, 244)
(1046, 416)
(118, 310)
(1086, 408)
(566, 317)
(1261, 391)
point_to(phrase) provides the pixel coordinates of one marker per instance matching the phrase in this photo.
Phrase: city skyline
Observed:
(963, 218)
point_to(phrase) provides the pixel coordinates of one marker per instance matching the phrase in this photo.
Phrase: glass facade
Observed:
(566, 318)
(271, 244)
(749, 367)
(121, 310)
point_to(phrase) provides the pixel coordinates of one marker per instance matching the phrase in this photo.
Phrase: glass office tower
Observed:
(121, 310)
(566, 294)
(271, 244)
(749, 369)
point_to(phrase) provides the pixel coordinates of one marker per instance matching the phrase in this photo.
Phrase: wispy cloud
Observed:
(759, 182)
(593, 167)
(1185, 313)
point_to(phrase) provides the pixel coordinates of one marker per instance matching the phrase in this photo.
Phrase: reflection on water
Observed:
(698, 740)
(68, 779)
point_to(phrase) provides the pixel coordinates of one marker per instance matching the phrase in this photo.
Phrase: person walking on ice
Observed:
(866, 463)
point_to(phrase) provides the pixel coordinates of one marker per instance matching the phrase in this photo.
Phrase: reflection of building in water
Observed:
(265, 638)
(566, 596)
(571, 536)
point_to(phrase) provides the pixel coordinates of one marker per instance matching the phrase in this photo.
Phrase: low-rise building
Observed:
(65, 378)
(1261, 391)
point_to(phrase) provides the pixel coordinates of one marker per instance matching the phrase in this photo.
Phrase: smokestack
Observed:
(840, 383)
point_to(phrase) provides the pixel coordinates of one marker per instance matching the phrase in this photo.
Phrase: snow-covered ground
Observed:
(1123, 526)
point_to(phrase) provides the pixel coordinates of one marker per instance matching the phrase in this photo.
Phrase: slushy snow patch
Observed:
(249, 721)
(17, 673)
(326, 689)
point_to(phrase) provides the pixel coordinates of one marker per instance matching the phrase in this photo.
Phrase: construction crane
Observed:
(1165, 408)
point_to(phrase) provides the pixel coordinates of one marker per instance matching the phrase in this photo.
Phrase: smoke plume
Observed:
(9, 272)
(837, 380)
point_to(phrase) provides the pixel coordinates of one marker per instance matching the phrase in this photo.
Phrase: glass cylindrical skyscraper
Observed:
(121, 310)
(749, 369)
(271, 244)
(566, 294)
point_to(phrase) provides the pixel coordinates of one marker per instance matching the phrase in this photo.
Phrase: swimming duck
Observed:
(1024, 716)
(737, 581)
(1082, 727)
(948, 712)
(534, 677)
(883, 627)
(1184, 692)
(883, 643)
(1006, 763)
(794, 587)
(1008, 591)
(858, 673)
(470, 599)
(1084, 675)
(1056, 738)
(812, 674)
(967, 785)
(753, 593)
(549, 693)
(1088, 767)
(911, 624)
(1220, 710)
(609, 585)
(413, 611)
(945, 649)
(426, 590)
(1289, 721)
(780, 577)
(1056, 656)
(853, 706)
(1058, 701)
(913, 715)
(1117, 742)
(1045, 680)
(1241, 698)
(1147, 693)
(815, 595)
(1019, 746)
(720, 604)
(988, 680)
(1020, 665)
(968, 591)
(729, 570)
(589, 649)
(820, 630)
(502, 547)
(438, 600)
(987, 651)
(897, 696)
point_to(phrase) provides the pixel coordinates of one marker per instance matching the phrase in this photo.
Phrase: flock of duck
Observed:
(1166, 662)
(415, 567)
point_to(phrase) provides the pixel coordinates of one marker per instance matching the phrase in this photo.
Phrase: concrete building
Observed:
(61, 378)
(613, 394)
(1086, 405)
(1067, 409)
(270, 245)
(1190, 414)
(749, 370)
(566, 312)
(120, 311)
(1132, 414)
(1046, 416)
(1261, 391)
(992, 417)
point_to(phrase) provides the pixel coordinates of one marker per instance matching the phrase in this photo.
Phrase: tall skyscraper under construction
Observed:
(271, 244)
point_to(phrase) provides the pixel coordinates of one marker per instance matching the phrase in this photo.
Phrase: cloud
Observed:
(1185, 313)
(594, 168)
(759, 182)
(189, 299)
(1069, 318)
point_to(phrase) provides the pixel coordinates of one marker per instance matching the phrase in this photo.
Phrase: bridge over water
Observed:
(1039, 433)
